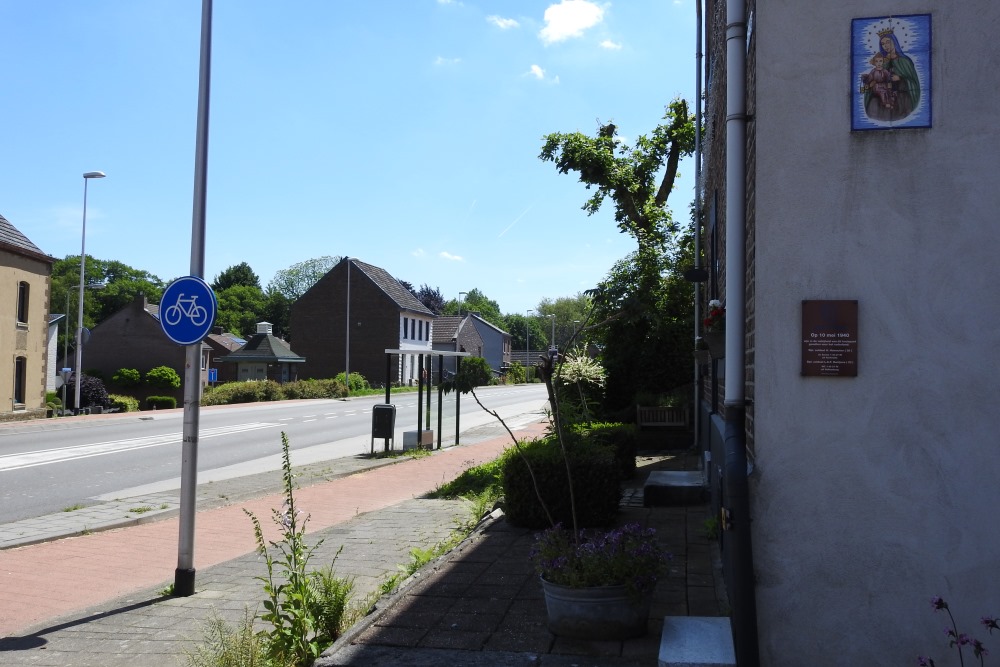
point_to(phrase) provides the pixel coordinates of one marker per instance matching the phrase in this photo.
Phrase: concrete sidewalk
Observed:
(95, 600)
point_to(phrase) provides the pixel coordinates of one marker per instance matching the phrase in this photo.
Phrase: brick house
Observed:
(133, 338)
(263, 357)
(853, 492)
(25, 281)
(222, 343)
(382, 315)
(456, 334)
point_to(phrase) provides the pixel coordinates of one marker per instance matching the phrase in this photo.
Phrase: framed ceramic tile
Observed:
(891, 72)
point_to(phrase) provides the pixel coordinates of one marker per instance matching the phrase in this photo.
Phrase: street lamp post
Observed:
(79, 311)
(461, 301)
(66, 337)
(527, 342)
(347, 333)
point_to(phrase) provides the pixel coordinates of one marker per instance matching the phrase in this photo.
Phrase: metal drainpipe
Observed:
(697, 223)
(736, 487)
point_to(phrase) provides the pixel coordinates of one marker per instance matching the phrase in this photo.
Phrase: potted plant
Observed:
(714, 325)
(598, 584)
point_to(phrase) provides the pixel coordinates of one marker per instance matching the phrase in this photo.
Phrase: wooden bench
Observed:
(661, 416)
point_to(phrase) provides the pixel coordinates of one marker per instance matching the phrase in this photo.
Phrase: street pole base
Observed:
(183, 583)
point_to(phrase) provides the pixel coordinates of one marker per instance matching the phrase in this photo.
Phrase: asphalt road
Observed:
(50, 465)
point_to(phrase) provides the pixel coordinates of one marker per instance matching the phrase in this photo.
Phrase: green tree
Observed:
(119, 285)
(237, 275)
(163, 377)
(296, 280)
(629, 176)
(240, 309)
(640, 314)
(571, 318)
(519, 326)
(476, 302)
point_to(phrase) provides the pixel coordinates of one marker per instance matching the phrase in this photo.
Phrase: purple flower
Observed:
(990, 622)
(924, 662)
(938, 603)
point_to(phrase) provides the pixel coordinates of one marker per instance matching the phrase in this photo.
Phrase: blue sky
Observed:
(405, 133)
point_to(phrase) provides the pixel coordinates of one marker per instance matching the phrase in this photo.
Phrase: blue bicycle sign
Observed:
(187, 310)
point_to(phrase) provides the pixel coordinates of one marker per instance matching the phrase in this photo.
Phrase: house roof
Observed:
(392, 287)
(227, 341)
(13, 240)
(479, 318)
(264, 347)
(446, 328)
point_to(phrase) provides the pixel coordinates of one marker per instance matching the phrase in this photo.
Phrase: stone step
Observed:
(697, 641)
(674, 487)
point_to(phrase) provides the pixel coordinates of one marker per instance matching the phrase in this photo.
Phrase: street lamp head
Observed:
(94, 174)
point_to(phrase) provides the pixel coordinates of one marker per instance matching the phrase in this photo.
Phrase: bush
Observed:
(92, 393)
(126, 377)
(357, 383)
(252, 391)
(597, 493)
(163, 377)
(52, 398)
(124, 403)
(161, 402)
(314, 389)
(620, 438)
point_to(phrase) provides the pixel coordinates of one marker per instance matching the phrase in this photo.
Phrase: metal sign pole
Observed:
(184, 574)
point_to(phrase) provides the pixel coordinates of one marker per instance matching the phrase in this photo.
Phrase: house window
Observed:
(20, 380)
(420, 328)
(406, 327)
(23, 289)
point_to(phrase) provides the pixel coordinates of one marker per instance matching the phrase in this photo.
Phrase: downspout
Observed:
(697, 220)
(736, 488)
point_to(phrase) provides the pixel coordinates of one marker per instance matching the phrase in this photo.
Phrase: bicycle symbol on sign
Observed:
(185, 308)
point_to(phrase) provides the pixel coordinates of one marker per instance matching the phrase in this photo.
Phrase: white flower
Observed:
(715, 303)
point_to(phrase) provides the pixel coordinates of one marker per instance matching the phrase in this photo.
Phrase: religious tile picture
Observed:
(891, 72)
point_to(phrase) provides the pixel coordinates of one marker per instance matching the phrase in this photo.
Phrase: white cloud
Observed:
(447, 255)
(537, 72)
(608, 44)
(419, 252)
(441, 61)
(570, 18)
(502, 23)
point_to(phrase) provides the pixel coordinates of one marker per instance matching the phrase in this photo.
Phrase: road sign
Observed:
(187, 310)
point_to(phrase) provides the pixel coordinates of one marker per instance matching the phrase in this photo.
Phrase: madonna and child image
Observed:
(891, 72)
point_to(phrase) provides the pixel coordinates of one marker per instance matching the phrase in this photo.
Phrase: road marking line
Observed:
(59, 454)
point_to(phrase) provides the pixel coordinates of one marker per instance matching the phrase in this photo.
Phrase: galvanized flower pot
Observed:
(599, 612)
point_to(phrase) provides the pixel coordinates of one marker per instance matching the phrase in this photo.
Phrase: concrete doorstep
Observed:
(697, 641)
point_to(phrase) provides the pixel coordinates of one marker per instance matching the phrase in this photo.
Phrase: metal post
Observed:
(440, 398)
(184, 574)
(347, 334)
(83, 260)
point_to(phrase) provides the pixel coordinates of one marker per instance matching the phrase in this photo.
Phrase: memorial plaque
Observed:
(830, 338)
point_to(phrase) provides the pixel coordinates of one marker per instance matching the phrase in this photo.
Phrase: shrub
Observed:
(124, 403)
(314, 389)
(161, 402)
(52, 398)
(620, 438)
(92, 393)
(357, 383)
(126, 377)
(596, 492)
(252, 391)
(163, 377)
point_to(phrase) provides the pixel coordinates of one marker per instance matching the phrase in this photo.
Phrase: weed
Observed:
(140, 510)
(228, 646)
(167, 591)
(73, 508)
